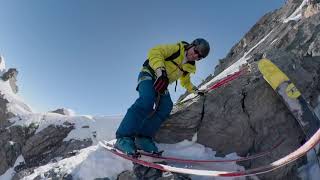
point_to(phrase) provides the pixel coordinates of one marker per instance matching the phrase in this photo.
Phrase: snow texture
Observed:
(297, 14)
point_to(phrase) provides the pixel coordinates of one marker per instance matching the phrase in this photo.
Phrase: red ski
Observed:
(183, 160)
(312, 142)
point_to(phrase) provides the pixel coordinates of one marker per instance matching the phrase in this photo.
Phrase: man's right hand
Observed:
(162, 81)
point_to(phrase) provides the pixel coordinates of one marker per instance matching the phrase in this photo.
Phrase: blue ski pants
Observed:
(138, 120)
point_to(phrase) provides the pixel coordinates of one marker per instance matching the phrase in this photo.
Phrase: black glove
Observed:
(162, 81)
(200, 92)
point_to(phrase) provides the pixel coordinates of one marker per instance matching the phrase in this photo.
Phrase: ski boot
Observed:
(146, 144)
(126, 145)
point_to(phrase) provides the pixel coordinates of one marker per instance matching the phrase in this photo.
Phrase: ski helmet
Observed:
(202, 46)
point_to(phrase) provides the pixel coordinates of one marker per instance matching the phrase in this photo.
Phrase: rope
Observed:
(202, 115)
(157, 103)
(222, 82)
(261, 154)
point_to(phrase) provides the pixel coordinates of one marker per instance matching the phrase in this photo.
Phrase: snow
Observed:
(99, 128)
(2, 65)
(95, 162)
(191, 150)
(16, 104)
(69, 112)
(297, 14)
(274, 41)
(90, 163)
(10, 172)
(94, 127)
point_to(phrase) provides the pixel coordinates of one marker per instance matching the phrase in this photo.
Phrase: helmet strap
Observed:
(188, 46)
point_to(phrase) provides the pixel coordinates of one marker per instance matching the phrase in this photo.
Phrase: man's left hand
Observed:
(201, 92)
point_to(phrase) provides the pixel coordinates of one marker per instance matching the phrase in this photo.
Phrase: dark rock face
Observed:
(141, 172)
(39, 148)
(36, 148)
(11, 75)
(9, 152)
(61, 111)
(11, 139)
(4, 114)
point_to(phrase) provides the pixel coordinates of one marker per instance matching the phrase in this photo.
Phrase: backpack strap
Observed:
(177, 54)
(174, 55)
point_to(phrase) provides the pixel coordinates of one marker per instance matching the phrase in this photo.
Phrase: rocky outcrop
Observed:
(311, 9)
(4, 114)
(37, 148)
(62, 111)
(11, 142)
(11, 75)
(142, 172)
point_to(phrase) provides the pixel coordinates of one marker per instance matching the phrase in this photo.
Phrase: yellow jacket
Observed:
(157, 58)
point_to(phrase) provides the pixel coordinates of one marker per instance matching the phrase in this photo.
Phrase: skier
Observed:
(165, 64)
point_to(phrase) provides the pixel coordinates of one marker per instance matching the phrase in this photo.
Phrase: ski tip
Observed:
(271, 73)
(263, 62)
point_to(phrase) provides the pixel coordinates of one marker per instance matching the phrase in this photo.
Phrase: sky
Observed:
(86, 55)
